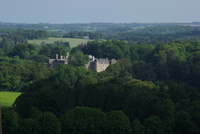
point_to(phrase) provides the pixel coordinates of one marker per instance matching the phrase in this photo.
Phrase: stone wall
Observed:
(94, 64)
(99, 65)
(54, 62)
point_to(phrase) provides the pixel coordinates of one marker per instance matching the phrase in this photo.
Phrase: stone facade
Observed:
(100, 64)
(54, 62)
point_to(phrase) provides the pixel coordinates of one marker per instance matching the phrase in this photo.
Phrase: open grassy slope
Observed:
(8, 98)
(72, 41)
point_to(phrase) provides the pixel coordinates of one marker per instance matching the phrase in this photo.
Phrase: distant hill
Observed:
(139, 33)
(87, 26)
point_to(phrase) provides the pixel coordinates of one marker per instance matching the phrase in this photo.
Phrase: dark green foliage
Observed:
(10, 121)
(138, 99)
(45, 99)
(7, 44)
(121, 68)
(168, 116)
(118, 123)
(55, 95)
(107, 49)
(111, 95)
(34, 113)
(29, 126)
(58, 47)
(49, 124)
(153, 125)
(77, 58)
(16, 76)
(184, 124)
(24, 51)
(142, 70)
(83, 120)
(137, 127)
(46, 50)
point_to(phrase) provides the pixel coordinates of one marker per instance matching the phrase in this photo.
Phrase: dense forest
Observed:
(153, 88)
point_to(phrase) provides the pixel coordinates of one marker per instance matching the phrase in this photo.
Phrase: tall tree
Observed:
(118, 123)
(78, 59)
(49, 124)
(137, 127)
(153, 125)
(168, 116)
(83, 120)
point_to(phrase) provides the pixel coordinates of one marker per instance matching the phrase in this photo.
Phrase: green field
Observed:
(72, 41)
(8, 98)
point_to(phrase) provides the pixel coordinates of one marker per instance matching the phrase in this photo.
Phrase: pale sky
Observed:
(87, 11)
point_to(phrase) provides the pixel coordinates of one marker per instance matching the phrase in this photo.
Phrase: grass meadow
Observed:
(8, 98)
(72, 41)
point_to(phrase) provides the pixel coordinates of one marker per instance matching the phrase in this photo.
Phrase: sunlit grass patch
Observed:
(8, 98)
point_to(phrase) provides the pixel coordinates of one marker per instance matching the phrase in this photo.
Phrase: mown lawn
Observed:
(8, 98)
(72, 41)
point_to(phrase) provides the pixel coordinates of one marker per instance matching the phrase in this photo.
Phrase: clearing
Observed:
(8, 98)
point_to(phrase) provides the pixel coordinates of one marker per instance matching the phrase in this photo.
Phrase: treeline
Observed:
(88, 26)
(33, 34)
(113, 49)
(77, 120)
(19, 47)
(154, 35)
(83, 34)
(20, 34)
(142, 35)
(174, 61)
(145, 107)
(139, 34)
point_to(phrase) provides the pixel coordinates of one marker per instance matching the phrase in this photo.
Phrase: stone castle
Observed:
(100, 64)
(54, 62)
(94, 64)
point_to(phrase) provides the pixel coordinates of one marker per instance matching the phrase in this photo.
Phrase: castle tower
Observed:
(56, 56)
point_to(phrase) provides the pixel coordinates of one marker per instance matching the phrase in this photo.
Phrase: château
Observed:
(94, 64)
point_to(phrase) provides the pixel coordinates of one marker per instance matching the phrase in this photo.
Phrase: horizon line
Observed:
(99, 22)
